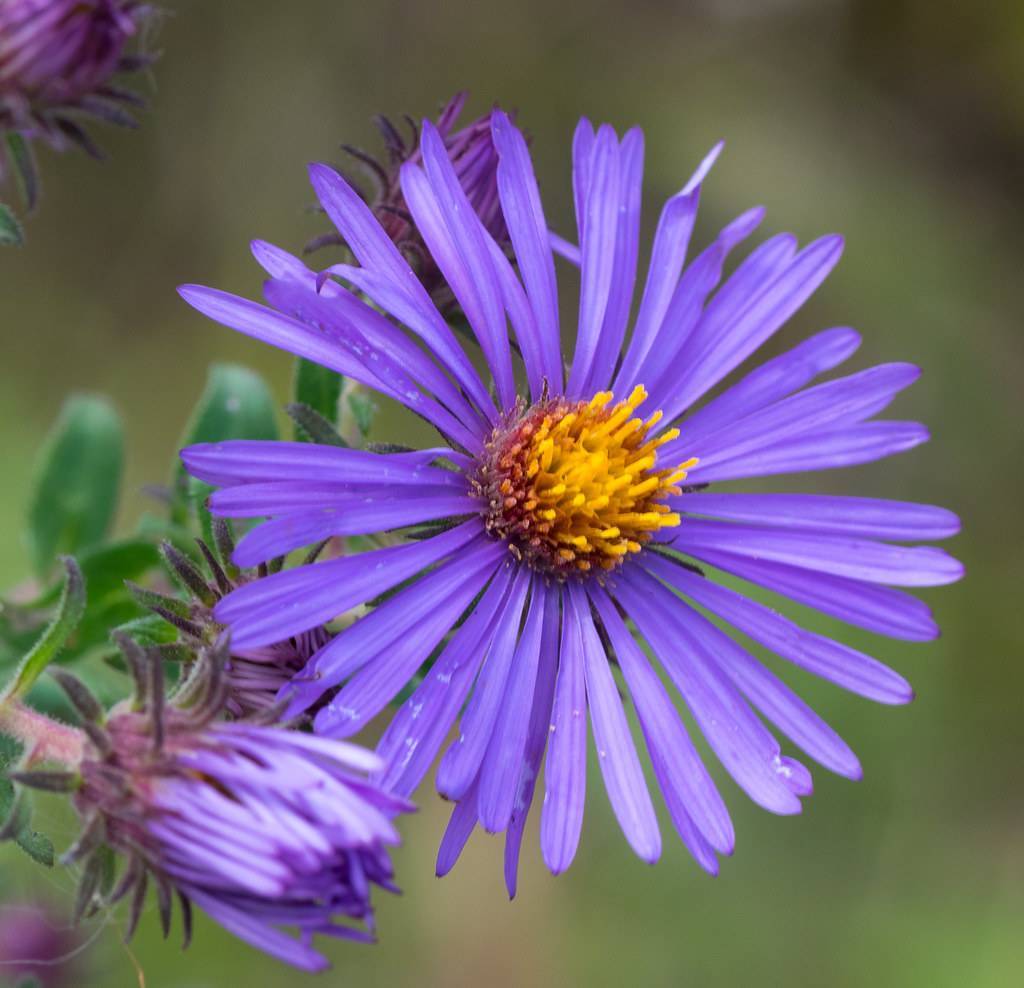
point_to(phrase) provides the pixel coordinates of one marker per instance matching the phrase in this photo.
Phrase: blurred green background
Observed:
(900, 124)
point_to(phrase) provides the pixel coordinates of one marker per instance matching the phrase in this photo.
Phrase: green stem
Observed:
(44, 739)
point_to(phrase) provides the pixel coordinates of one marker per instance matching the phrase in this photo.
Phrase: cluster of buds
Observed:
(253, 678)
(475, 161)
(266, 828)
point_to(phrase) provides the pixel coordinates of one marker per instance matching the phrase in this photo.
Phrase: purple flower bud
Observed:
(57, 58)
(36, 944)
(266, 829)
(474, 160)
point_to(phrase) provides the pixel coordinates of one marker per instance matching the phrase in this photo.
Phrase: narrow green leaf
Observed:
(69, 613)
(19, 151)
(11, 234)
(75, 497)
(318, 388)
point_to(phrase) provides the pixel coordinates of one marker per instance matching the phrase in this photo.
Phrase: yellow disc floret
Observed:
(573, 486)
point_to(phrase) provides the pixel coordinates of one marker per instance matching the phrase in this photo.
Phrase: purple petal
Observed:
(263, 323)
(739, 739)
(624, 263)
(415, 735)
(524, 216)
(668, 254)
(460, 826)
(773, 380)
(425, 322)
(831, 660)
(856, 559)
(881, 609)
(462, 760)
(389, 367)
(245, 461)
(598, 227)
(295, 600)
(399, 635)
(848, 400)
(354, 507)
(681, 774)
(616, 753)
(565, 778)
(828, 450)
(828, 515)
(503, 763)
(715, 353)
(536, 738)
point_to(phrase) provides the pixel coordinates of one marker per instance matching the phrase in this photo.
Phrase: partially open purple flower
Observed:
(474, 161)
(264, 828)
(57, 60)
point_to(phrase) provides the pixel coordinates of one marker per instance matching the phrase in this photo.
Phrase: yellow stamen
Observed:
(576, 485)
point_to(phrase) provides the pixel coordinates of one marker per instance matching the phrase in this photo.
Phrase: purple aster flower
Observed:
(474, 160)
(569, 533)
(57, 59)
(264, 828)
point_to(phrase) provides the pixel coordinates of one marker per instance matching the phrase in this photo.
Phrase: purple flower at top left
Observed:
(58, 60)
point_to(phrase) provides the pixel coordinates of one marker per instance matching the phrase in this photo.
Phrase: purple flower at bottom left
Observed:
(268, 829)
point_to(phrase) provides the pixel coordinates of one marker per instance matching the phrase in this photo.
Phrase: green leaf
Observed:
(16, 810)
(75, 497)
(11, 234)
(360, 409)
(106, 567)
(236, 404)
(19, 151)
(37, 846)
(317, 388)
(69, 613)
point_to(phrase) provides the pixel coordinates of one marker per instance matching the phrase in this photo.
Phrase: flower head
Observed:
(566, 525)
(473, 159)
(57, 60)
(264, 828)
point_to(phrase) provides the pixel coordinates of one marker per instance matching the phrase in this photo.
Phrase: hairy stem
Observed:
(44, 739)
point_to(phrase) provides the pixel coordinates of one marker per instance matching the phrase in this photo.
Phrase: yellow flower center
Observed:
(572, 486)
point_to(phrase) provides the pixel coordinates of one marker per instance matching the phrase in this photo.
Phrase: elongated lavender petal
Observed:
(524, 215)
(681, 774)
(503, 763)
(296, 600)
(828, 515)
(616, 753)
(461, 762)
(566, 771)
(668, 254)
(854, 558)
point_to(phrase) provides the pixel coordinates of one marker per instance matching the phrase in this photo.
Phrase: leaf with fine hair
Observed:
(69, 613)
